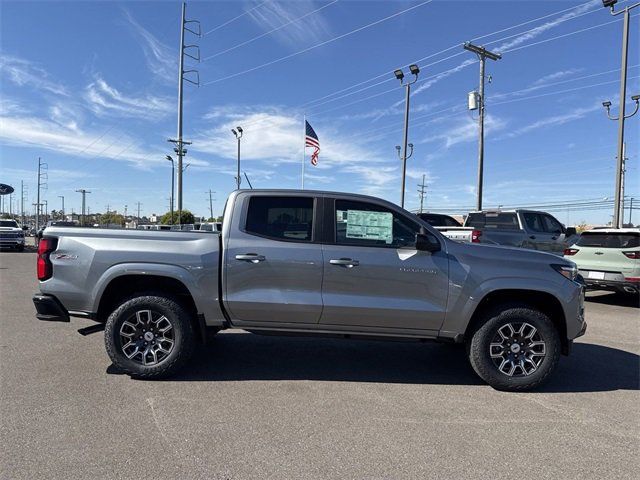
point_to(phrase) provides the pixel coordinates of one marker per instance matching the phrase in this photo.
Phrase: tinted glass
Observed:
(366, 224)
(499, 221)
(287, 218)
(8, 223)
(439, 220)
(551, 225)
(533, 222)
(609, 240)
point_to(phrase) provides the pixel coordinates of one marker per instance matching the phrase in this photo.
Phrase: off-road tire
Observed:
(483, 365)
(181, 323)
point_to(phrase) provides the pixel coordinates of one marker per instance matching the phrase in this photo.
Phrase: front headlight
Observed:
(567, 271)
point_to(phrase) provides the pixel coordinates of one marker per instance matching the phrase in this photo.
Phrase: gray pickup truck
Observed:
(306, 262)
(521, 228)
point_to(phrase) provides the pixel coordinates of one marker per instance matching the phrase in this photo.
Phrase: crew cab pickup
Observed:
(521, 228)
(308, 262)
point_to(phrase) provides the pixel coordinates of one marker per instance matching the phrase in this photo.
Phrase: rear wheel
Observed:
(149, 336)
(515, 349)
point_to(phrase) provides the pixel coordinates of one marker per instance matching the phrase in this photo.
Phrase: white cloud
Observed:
(273, 15)
(555, 120)
(24, 73)
(556, 76)
(465, 129)
(162, 61)
(537, 31)
(104, 99)
(46, 134)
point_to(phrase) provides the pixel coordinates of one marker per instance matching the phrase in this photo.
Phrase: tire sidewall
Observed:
(487, 370)
(183, 335)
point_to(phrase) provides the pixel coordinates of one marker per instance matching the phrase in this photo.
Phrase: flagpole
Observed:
(304, 144)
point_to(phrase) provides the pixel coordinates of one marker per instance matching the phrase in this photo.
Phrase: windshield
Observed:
(609, 240)
(9, 223)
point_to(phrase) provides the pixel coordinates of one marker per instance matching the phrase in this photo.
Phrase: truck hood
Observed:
(506, 253)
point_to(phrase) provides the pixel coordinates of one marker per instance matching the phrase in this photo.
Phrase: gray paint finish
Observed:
(395, 292)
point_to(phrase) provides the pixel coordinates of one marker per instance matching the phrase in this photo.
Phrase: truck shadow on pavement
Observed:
(617, 299)
(238, 356)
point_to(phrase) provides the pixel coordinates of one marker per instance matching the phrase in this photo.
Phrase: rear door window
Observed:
(497, 221)
(609, 240)
(281, 218)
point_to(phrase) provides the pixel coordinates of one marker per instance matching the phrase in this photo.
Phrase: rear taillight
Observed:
(45, 268)
(632, 279)
(475, 236)
(570, 251)
(632, 255)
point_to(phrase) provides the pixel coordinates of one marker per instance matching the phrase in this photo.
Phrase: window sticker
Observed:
(368, 225)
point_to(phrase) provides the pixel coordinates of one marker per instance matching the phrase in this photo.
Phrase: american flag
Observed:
(311, 140)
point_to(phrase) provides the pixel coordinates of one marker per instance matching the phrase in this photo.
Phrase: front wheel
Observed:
(149, 336)
(515, 349)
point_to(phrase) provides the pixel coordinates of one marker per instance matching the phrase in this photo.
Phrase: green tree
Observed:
(185, 216)
(111, 218)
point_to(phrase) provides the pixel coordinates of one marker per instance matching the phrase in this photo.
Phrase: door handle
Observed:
(251, 257)
(345, 262)
(554, 238)
(532, 237)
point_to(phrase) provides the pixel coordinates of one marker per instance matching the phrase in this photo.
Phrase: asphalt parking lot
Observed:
(288, 408)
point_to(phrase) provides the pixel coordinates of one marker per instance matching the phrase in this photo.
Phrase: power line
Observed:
(457, 45)
(317, 45)
(233, 19)
(258, 37)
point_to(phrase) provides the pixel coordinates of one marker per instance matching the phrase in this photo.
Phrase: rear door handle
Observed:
(345, 262)
(251, 257)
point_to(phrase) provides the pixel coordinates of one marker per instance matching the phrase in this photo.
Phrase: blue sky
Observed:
(91, 88)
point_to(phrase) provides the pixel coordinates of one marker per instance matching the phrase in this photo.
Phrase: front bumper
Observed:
(12, 242)
(49, 308)
(613, 286)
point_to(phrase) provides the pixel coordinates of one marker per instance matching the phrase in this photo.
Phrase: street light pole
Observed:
(62, 197)
(238, 133)
(482, 54)
(400, 76)
(617, 214)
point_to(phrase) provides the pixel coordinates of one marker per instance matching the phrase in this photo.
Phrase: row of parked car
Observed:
(607, 259)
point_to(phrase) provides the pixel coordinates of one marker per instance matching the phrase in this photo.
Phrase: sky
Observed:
(91, 88)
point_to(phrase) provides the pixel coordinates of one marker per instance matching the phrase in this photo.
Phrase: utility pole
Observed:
(46, 210)
(22, 202)
(422, 192)
(618, 201)
(482, 54)
(42, 178)
(84, 194)
(623, 173)
(179, 142)
(211, 204)
(630, 209)
(399, 74)
(62, 197)
(138, 204)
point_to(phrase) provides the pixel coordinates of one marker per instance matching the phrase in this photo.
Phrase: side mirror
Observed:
(427, 242)
(570, 231)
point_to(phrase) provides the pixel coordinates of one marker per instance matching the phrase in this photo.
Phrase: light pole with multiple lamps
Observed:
(238, 133)
(617, 204)
(400, 76)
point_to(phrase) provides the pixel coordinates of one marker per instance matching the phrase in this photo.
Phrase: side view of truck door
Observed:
(272, 265)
